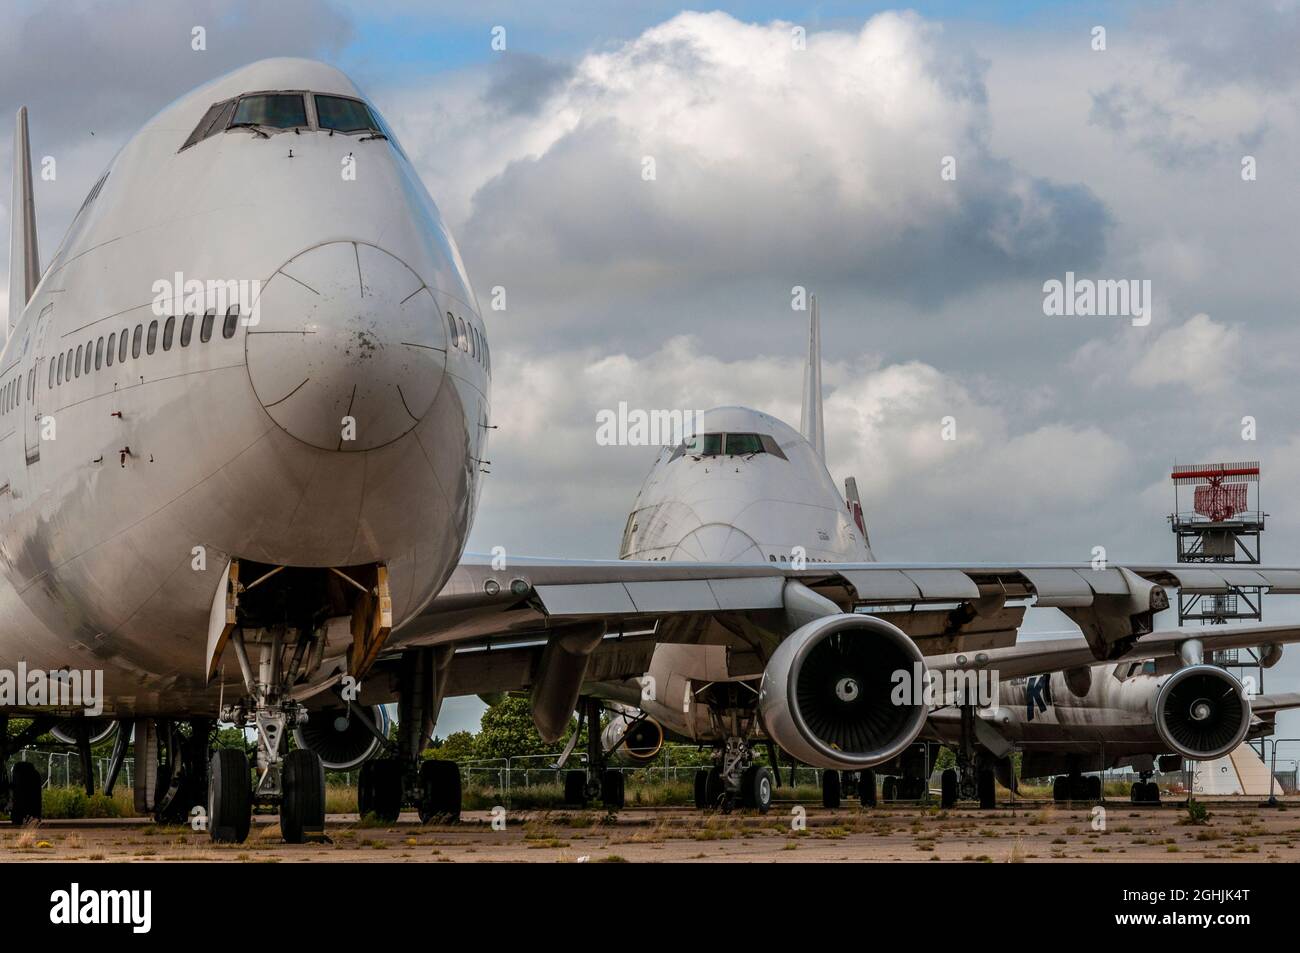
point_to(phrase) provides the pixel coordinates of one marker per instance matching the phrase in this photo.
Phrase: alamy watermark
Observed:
(60, 688)
(1101, 297)
(180, 295)
(922, 686)
(641, 428)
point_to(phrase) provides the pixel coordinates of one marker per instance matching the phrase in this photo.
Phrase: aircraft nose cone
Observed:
(718, 543)
(347, 350)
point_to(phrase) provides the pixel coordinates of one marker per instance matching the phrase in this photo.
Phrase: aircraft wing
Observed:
(1054, 655)
(945, 608)
(1271, 704)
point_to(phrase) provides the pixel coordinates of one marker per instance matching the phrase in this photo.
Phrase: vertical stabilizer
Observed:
(810, 419)
(24, 259)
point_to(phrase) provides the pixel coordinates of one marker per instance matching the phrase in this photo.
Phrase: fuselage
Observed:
(143, 446)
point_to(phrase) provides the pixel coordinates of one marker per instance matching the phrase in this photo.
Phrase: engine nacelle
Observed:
(101, 729)
(339, 737)
(637, 740)
(828, 694)
(1202, 712)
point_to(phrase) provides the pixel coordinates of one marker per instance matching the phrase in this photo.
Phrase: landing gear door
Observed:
(222, 616)
(38, 394)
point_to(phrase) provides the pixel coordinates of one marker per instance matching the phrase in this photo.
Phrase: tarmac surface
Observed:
(1239, 829)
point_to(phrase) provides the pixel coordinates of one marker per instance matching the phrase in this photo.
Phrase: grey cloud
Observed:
(522, 82)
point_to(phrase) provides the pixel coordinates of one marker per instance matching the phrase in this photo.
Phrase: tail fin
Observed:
(810, 418)
(854, 503)
(24, 259)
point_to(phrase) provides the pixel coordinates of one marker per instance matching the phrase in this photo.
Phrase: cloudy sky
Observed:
(778, 166)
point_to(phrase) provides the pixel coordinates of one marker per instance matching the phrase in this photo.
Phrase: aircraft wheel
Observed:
(889, 790)
(701, 788)
(867, 788)
(379, 789)
(756, 788)
(1094, 788)
(612, 790)
(439, 791)
(26, 793)
(1153, 793)
(302, 800)
(1060, 789)
(830, 789)
(230, 796)
(575, 788)
(988, 789)
(948, 788)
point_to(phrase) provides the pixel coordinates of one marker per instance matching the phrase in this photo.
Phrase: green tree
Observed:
(457, 746)
(506, 730)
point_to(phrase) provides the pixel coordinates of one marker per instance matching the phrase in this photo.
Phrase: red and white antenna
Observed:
(1222, 489)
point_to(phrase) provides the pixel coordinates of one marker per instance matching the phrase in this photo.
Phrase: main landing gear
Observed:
(1144, 790)
(837, 785)
(20, 792)
(1077, 786)
(973, 779)
(400, 776)
(598, 781)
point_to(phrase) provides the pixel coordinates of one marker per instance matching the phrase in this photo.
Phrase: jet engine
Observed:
(101, 729)
(635, 739)
(831, 694)
(340, 738)
(1202, 712)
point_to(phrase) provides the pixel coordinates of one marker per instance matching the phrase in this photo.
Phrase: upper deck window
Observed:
(344, 115)
(276, 110)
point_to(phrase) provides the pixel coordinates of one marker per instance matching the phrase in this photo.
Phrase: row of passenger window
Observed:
(468, 339)
(101, 352)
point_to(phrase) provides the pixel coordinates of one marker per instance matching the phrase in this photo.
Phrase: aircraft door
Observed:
(37, 398)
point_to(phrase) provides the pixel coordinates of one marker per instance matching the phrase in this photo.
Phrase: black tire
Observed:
(230, 797)
(25, 789)
(889, 790)
(830, 789)
(988, 789)
(440, 792)
(758, 786)
(701, 788)
(302, 796)
(867, 788)
(379, 790)
(575, 788)
(1061, 789)
(948, 788)
(714, 789)
(1094, 787)
(1153, 793)
(612, 790)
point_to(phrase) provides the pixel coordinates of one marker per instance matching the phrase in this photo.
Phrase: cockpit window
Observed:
(735, 444)
(703, 445)
(344, 115)
(742, 443)
(214, 121)
(277, 110)
(264, 112)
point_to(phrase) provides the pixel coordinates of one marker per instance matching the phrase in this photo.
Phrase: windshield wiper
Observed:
(376, 135)
(256, 127)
